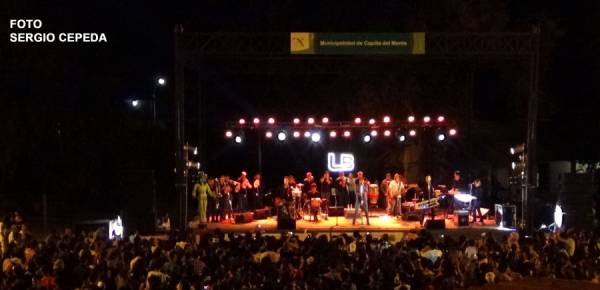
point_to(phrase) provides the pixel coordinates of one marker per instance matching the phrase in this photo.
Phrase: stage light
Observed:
(256, 121)
(242, 121)
(332, 134)
(268, 134)
(325, 120)
(307, 134)
(412, 133)
(296, 134)
(347, 134)
(238, 139)
(135, 103)
(440, 119)
(315, 137)
(296, 121)
(441, 137)
(411, 119)
(400, 135)
(367, 138)
(311, 120)
(387, 133)
(357, 120)
(387, 119)
(371, 121)
(281, 136)
(195, 152)
(161, 81)
(426, 119)
(373, 133)
(402, 138)
(452, 132)
(228, 134)
(271, 120)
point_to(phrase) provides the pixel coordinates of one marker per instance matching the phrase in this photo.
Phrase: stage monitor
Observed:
(345, 163)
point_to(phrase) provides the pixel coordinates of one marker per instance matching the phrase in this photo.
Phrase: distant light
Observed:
(271, 120)
(452, 132)
(366, 138)
(325, 120)
(412, 133)
(347, 134)
(296, 120)
(269, 134)
(387, 133)
(135, 103)
(238, 139)
(441, 119)
(513, 165)
(512, 150)
(441, 137)
(411, 119)
(426, 119)
(371, 121)
(311, 120)
(161, 81)
(256, 121)
(242, 121)
(281, 136)
(307, 134)
(228, 134)
(296, 134)
(357, 120)
(315, 137)
(387, 119)
(333, 134)
(374, 133)
(195, 151)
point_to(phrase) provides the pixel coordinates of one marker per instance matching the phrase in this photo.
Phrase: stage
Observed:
(380, 223)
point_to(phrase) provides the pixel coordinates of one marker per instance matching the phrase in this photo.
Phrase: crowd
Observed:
(218, 260)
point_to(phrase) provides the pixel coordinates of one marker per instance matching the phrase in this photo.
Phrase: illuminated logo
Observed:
(345, 163)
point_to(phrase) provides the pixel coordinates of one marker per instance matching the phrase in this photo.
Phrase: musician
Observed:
(242, 194)
(395, 191)
(308, 180)
(342, 188)
(227, 188)
(310, 194)
(351, 190)
(361, 200)
(257, 191)
(213, 201)
(429, 192)
(385, 184)
(201, 191)
(326, 183)
(457, 186)
(477, 192)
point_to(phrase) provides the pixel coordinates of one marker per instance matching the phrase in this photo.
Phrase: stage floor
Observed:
(379, 223)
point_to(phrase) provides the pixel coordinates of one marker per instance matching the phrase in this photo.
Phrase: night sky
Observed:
(68, 131)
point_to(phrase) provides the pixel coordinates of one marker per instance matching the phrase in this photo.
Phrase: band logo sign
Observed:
(344, 163)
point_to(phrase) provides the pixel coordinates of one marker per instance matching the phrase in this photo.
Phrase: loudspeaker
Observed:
(336, 211)
(286, 224)
(435, 224)
(243, 217)
(463, 218)
(262, 213)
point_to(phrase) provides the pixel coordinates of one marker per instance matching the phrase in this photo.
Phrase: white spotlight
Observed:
(315, 137)
(281, 136)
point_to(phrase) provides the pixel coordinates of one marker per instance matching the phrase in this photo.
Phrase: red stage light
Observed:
(271, 120)
(371, 121)
(412, 133)
(452, 132)
(441, 119)
(347, 133)
(411, 119)
(311, 120)
(242, 121)
(296, 134)
(228, 134)
(357, 120)
(387, 133)
(426, 119)
(387, 119)
(333, 134)
(256, 121)
(307, 134)
(373, 133)
(325, 120)
(296, 120)
(269, 134)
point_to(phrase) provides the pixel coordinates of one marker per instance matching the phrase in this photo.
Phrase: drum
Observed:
(315, 202)
(373, 193)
